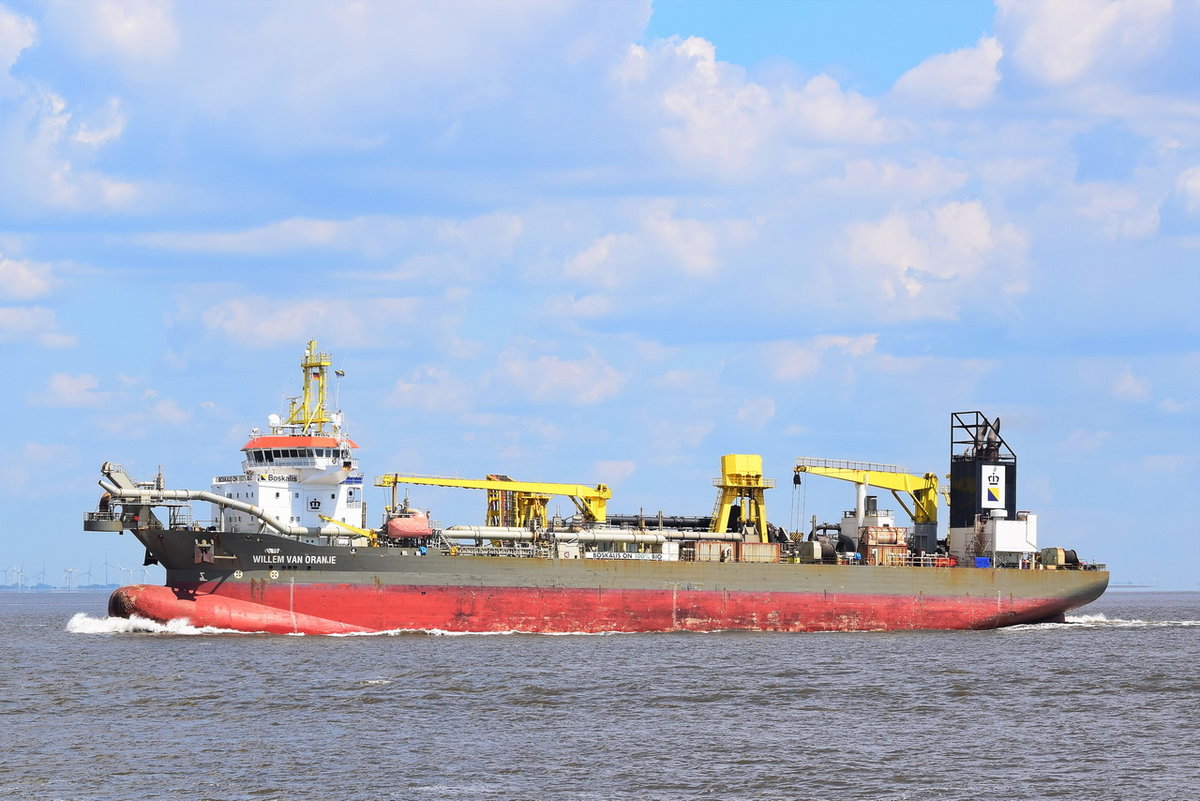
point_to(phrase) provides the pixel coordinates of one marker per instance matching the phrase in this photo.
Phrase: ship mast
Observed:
(307, 413)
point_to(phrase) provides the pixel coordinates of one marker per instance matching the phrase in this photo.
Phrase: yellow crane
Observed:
(922, 490)
(741, 486)
(529, 499)
(372, 536)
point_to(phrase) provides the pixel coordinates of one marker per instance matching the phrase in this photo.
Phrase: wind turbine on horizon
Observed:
(67, 573)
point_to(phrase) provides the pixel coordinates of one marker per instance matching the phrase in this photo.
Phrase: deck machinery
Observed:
(984, 520)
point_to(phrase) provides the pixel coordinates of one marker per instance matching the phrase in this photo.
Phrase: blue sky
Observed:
(608, 242)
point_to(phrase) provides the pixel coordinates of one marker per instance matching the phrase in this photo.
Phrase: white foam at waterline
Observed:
(83, 623)
(1102, 621)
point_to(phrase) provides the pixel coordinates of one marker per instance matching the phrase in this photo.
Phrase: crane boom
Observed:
(921, 489)
(372, 536)
(590, 501)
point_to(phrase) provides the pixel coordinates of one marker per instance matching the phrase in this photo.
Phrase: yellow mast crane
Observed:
(309, 414)
(742, 485)
(530, 498)
(922, 490)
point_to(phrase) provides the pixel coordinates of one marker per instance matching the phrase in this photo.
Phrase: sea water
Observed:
(1105, 706)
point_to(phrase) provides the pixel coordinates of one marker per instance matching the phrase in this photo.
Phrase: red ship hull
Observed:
(345, 608)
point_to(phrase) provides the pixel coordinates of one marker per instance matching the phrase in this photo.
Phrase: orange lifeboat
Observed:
(408, 524)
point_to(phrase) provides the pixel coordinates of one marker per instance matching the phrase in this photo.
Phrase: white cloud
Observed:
(523, 427)
(672, 439)
(32, 324)
(139, 34)
(1168, 463)
(170, 412)
(590, 306)
(689, 381)
(548, 379)
(341, 74)
(297, 233)
(615, 471)
(710, 117)
(790, 360)
(107, 126)
(28, 469)
(16, 34)
(430, 248)
(603, 261)
(71, 391)
(1188, 186)
(756, 412)
(264, 321)
(1172, 406)
(38, 163)
(24, 280)
(965, 78)
(657, 243)
(822, 111)
(927, 264)
(1082, 442)
(1119, 212)
(434, 389)
(927, 177)
(1064, 41)
(1127, 386)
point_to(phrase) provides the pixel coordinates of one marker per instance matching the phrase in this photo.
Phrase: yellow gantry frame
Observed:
(922, 490)
(742, 481)
(308, 411)
(531, 497)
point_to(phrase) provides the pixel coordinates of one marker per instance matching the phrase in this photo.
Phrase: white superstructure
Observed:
(303, 472)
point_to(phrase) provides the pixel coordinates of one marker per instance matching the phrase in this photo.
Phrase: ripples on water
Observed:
(1102, 706)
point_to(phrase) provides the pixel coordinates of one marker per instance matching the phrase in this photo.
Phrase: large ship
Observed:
(287, 548)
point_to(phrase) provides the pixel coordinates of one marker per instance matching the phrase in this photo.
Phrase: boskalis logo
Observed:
(314, 505)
